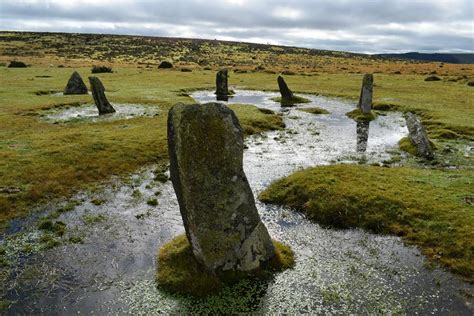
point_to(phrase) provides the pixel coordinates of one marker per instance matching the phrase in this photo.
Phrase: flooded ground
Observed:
(90, 113)
(106, 262)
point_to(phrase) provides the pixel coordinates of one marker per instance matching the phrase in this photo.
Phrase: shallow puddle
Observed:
(89, 112)
(112, 269)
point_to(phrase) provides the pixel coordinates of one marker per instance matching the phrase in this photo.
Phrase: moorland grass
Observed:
(46, 160)
(179, 272)
(429, 208)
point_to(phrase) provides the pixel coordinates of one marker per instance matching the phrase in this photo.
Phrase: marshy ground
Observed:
(85, 202)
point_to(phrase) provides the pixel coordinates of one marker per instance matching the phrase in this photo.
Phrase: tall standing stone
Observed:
(222, 89)
(75, 85)
(98, 92)
(418, 137)
(365, 100)
(205, 144)
(284, 90)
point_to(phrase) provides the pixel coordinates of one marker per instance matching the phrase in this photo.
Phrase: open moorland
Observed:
(47, 162)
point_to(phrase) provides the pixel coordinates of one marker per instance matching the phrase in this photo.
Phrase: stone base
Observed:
(180, 273)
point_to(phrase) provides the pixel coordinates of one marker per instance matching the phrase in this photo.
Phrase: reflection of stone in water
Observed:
(362, 135)
(222, 98)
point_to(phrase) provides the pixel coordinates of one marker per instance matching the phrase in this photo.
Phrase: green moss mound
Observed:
(406, 145)
(358, 115)
(380, 106)
(179, 272)
(254, 120)
(291, 102)
(315, 111)
(426, 207)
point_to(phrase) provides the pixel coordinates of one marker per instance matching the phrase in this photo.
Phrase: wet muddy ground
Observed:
(89, 112)
(106, 263)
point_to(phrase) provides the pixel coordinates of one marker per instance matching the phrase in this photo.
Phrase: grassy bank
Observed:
(430, 208)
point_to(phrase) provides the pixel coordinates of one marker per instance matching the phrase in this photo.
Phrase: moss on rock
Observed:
(179, 272)
(358, 115)
(406, 145)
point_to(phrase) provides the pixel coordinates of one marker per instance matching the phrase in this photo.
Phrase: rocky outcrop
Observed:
(222, 88)
(75, 85)
(418, 137)
(285, 92)
(205, 144)
(98, 92)
(365, 100)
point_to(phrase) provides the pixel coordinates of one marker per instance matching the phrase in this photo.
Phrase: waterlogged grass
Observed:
(179, 272)
(429, 208)
(45, 160)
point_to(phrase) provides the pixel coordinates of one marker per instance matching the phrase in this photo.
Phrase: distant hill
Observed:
(441, 57)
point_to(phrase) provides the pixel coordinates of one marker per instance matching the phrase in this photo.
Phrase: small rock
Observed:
(432, 78)
(101, 69)
(165, 65)
(17, 64)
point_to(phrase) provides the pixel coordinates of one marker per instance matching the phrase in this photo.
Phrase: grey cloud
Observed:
(360, 20)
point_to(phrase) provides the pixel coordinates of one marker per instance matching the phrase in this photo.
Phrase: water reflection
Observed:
(362, 136)
(223, 97)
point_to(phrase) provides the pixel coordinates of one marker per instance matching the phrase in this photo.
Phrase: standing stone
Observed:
(222, 88)
(205, 143)
(365, 100)
(418, 136)
(284, 90)
(362, 130)
(75, 85)
(100, 100)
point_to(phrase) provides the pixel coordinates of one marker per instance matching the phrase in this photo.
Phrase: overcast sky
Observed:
(367, 26)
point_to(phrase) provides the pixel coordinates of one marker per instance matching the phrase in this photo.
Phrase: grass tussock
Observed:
(254, 121)
(101, 69)
(406, 145)
(291, 102)
(358, 115)
(315, 111)
(179, 272)
(425, 207)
